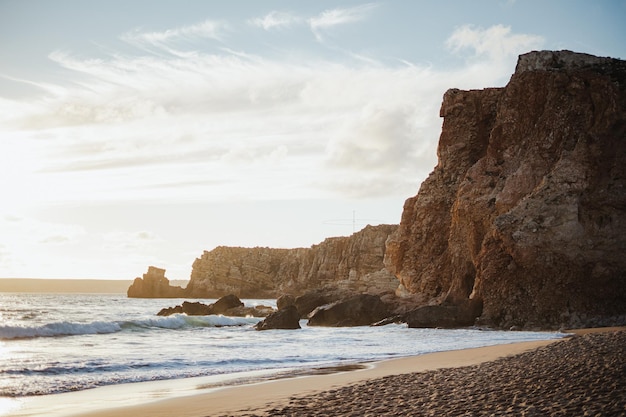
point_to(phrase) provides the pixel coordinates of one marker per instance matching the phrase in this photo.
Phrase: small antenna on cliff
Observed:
(355, 222)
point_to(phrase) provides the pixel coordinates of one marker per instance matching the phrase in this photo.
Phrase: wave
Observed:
(174, 322)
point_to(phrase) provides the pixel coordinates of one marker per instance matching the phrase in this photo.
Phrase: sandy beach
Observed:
(579, 375)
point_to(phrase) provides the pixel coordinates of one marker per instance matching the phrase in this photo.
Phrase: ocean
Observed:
(58, 343)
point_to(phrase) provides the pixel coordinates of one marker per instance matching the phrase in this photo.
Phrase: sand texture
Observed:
(582, 376)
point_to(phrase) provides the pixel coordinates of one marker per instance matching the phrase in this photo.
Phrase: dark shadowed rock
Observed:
(310, 301)
(444, 316)
(197, 309)
(285, 300)
(285, 318)
(168, 311)
(225, 303)
(359, 310)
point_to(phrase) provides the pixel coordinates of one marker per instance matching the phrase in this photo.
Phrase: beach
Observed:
(579, 375)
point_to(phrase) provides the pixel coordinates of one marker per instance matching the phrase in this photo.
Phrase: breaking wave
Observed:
(174, 322)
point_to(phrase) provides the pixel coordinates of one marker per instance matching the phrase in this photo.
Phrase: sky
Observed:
(137, 133)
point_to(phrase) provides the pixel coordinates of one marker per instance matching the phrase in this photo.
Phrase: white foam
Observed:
(176, 321)
(58, 329)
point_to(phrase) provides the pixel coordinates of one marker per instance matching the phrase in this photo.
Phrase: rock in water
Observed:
(359, 310)
(228, 305)
(526, 208)
(154, 285)
(225, 303)
(285, 318)
(285, 300)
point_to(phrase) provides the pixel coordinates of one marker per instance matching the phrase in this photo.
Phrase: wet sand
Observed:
(582, 376)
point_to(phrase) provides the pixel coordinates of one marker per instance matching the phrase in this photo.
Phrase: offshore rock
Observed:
(285, 318)
(526, 208)
(285, 300)
(154, 285)
(228, 305)
(359, 310)
(311, 300)
(353, 263)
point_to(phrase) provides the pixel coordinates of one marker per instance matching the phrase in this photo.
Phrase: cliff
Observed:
(353, 263)
(526, 208)
(154, 285)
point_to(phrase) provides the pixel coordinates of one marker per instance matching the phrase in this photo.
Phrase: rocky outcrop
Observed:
(526, 208)
(229, 305)
(154, 285)
(359, 310)
(444, 316)
(310, 300)
(353, 263)
(286, 318)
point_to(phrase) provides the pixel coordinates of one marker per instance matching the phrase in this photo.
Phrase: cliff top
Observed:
(561, 60)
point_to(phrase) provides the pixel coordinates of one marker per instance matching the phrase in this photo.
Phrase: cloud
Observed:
(234, 125)
(340, 16)
(130, 240)
(275, 20)
(494, 43)
(208, 29)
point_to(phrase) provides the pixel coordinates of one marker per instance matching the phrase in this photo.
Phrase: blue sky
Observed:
(144, 132)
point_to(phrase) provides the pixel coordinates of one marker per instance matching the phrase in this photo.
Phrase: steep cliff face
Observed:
(352, 263)
(526, 208)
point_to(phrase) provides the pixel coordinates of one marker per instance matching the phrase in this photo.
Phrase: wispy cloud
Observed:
(190, 117)
(207, 29)
(252, 125)
(496, 42)
(340, 16)
(130, 240)
(276, 20)
(169, 39)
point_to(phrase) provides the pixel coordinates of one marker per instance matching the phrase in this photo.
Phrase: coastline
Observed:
(248, 392)
(204, 397)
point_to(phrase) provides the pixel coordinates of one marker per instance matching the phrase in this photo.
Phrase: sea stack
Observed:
(154, 284)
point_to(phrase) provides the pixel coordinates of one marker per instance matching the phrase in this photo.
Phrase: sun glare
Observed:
(7, 405)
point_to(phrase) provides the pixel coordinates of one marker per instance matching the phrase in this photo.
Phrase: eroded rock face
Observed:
(353, 263)
(526, 208)
(154, 285)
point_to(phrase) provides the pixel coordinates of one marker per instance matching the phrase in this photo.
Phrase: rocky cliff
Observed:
(526, 208)
(353, 263)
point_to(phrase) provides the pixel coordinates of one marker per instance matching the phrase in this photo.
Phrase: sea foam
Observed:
(177, 321)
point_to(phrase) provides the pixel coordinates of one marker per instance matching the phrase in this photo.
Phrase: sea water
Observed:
(55, 343)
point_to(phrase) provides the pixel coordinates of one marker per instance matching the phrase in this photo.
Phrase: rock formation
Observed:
(286, 318)
(154, 285)
(229, 305)
(526, 208)
(358, 310)
(353, 263)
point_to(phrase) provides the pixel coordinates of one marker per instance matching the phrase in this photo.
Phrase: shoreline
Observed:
(259, 391)
(204, 396)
